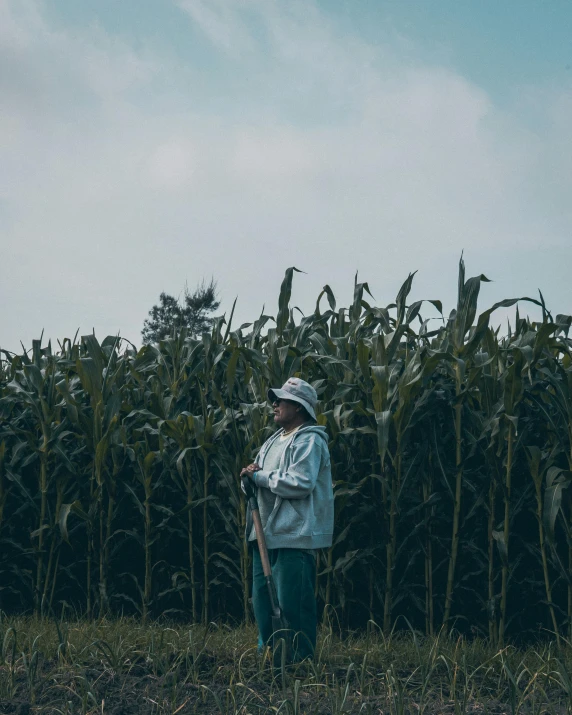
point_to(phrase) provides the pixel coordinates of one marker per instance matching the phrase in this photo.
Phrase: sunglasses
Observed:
(280, 400)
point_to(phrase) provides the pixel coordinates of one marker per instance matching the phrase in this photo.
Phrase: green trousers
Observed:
(294, 573)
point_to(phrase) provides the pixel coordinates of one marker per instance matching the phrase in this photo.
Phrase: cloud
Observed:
(125, 173)
(277, 154)
(221, 22)
(171, 164)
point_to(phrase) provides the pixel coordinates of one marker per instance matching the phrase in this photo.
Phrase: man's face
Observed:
(285, 411)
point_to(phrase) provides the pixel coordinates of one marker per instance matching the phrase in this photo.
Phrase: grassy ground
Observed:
(121, 667)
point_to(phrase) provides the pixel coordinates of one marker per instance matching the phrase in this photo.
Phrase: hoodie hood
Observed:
(314, 429)
(310, 428)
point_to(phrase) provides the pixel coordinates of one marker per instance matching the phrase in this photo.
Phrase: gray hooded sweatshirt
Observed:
(303, 513)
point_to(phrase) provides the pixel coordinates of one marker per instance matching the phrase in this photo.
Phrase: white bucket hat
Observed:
(296, 390)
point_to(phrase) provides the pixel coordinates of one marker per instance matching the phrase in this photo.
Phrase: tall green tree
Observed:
(171, 314)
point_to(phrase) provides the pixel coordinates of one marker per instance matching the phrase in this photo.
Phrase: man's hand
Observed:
(249, 471)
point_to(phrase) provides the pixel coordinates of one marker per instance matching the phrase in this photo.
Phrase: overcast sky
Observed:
(148, 144)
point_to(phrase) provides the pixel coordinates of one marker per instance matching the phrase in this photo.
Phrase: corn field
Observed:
(451, 455)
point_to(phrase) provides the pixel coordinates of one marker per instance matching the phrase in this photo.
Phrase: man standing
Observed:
(296, 502)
